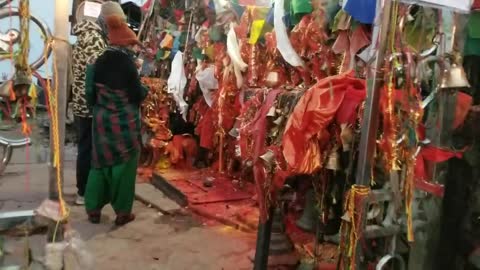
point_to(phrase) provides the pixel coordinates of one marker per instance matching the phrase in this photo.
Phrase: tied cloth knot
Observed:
(434, 155)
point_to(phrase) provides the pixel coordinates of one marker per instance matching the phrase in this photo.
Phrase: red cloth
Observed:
(307, 125)
(147, 5)
(476, 5)
(260, 128)
(260, 135)
(464, 103)
(182, 149)
(208, 125)
(206, 130)
(435, 155)
(178, 13)
(351, 43)
(347, 112)
(247, 118)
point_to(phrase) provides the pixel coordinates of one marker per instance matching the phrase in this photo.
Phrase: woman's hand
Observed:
(139, 64)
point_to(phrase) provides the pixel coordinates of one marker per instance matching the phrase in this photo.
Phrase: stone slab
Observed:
(150, 195)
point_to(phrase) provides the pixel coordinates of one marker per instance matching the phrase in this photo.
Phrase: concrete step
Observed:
(148, 194)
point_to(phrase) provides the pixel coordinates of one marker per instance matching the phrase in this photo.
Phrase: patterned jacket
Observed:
(90, 44)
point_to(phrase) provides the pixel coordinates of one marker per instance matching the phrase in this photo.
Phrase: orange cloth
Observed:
(182, 150)
(118, 32)
(306, 127)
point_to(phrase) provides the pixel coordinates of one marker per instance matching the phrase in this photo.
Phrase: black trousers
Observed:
(84, 151)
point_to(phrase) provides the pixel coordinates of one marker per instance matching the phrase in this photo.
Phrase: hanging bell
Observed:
(271, 112)
(307, 221)
(333, 162)
(22, 78)
(234, 132)
(268, 158)
(274, 131)
(279, 241)
(279, 120)
(455, 76)
(21, 83)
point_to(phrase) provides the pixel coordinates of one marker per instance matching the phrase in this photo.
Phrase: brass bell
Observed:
(274, 131)
(271, 112)
(455, 76)
(333, 162)
(279, 120)
(22, 78)
(268, 157)
(307, 221)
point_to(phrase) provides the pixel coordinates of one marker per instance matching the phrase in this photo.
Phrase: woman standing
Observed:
(114, 92)
(91, 41)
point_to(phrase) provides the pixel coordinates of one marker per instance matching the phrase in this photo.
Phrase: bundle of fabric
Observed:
(308, 38)
(220, 117)
(263, 163)
(155, 119)
(182, 150)
(306, 136)
(260, 141)
(247, 119)
(208, 124)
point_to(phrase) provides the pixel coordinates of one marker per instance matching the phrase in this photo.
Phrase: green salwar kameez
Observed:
(114, 92)
(114, 184)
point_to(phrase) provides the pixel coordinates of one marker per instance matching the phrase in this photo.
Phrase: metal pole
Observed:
(375, 82)
(262, 250)
(61, 52)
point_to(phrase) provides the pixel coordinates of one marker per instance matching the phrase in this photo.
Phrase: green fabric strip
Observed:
(473, 25)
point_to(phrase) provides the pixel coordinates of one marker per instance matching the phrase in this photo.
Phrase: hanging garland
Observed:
(352, 225)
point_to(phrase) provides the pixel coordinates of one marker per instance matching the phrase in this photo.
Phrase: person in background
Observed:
(114, 92)
(91, 42)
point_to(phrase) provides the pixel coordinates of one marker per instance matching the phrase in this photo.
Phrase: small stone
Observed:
(208, 182)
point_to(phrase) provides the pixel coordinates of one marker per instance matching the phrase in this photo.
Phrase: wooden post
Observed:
(61, 50)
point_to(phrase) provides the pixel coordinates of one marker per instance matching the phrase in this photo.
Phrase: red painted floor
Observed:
(231, 202)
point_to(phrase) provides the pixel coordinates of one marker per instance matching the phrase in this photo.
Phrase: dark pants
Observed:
(84, 151)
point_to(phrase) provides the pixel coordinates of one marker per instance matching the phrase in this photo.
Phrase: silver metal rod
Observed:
(374, 84)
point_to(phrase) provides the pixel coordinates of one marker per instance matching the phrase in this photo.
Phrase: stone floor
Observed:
(152, 241)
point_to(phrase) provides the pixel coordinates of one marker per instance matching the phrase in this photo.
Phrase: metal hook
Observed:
(388, 258)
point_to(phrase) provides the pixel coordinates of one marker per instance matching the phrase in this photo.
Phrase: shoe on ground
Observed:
(124, 219)
(94, 218)
(80, 200)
